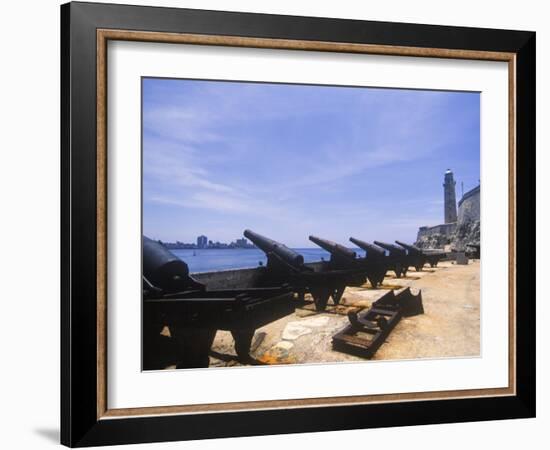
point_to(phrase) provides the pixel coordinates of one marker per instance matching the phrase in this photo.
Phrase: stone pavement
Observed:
(450, 326)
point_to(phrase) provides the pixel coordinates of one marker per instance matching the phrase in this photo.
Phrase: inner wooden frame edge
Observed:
(104, 35)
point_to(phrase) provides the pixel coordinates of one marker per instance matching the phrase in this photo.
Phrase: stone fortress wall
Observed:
(469, 206)
(466, 230)
(446, 229)
(468, 226)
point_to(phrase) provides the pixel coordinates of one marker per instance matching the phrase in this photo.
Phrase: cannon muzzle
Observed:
(372, 250)
(333, 248)
(165, 270)
(270, 246)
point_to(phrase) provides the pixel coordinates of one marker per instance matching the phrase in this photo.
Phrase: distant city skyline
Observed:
(288, 161)
(202, 242)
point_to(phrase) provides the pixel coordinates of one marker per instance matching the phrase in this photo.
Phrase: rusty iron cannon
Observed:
(280, 258)
(415, 257)
(434, 256)
(192, 313)
(418, 257)
(322, 280)
(344, 258)
(397, 258)
(338, 253)
(375, 258)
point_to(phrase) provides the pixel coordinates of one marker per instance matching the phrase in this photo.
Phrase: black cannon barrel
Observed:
(270, 246)
(333, 247)
(372, 250)
(390, 247)
(411, 248)
(161, 267)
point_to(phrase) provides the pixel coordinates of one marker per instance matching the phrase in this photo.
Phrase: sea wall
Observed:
(228, 279)
(238, 278)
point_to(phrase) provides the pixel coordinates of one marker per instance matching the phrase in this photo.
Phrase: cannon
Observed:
(279, 256)
(415, 257)
(193, 314)
(338, 253)
(376, 259)
(342, 257)
(397, 258)
(284, 266)
(418, 257)
(162, 268)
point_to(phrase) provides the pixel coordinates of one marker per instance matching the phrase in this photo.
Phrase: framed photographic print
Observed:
(276, 224)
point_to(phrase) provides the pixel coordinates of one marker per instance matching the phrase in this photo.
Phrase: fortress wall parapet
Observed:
(445, 229)
(469, 206)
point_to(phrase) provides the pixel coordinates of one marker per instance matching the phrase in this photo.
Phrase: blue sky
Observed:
(288, 161)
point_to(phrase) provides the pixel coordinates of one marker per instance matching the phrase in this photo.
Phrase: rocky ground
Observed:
(450, 326)
(465, 234)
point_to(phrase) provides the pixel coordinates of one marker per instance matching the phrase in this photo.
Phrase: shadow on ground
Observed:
(50, 434)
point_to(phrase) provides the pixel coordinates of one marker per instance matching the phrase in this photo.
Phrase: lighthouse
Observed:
(449, 197)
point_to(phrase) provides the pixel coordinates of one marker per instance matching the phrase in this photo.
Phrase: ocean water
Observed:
(207, 260)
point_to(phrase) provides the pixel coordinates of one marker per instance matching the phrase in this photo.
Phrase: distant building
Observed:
(449, 197)
(202, 242)
(241, 243)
